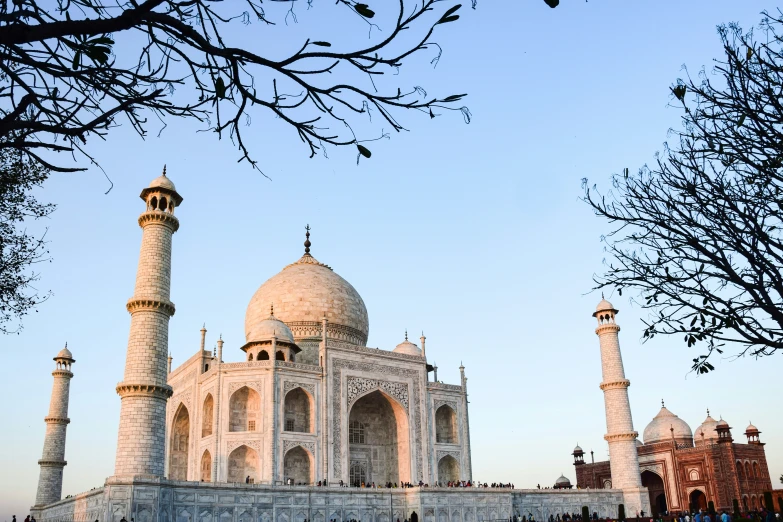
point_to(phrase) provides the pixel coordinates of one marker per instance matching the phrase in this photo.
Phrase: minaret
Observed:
(141, 440)
(50, 481)
(623, 455)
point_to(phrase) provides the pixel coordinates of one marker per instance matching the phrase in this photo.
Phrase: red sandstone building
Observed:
(683, 472)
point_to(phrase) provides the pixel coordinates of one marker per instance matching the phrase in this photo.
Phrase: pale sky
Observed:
(474, 234)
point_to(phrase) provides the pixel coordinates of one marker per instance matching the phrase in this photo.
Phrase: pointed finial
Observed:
(66, 344)
(164, 170)
(662, 404)
(406, 334)
(307, 240)
(602, 295)
(221, 337)
(708, 412)
(272, 309)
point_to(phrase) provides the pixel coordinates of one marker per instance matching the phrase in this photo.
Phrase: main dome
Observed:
(660, 429)
(305, 292)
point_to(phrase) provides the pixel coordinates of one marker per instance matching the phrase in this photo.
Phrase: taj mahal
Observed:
(308, 416)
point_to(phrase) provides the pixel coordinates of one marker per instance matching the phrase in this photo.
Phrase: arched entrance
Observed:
(244, 410)
(654, 483)
(448, 470)
(297, 411)
(698, 500)
(297, 466)
(206, 467)
(446, 425)
(378, 438)
(243, 463)
(178, 447)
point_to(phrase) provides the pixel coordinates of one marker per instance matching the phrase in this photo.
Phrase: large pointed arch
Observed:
(298, 408)
(299, 465)
(446, 425)
(244, 465)
(244, 410)
(179, 444)
(448, 470)
(385, 450)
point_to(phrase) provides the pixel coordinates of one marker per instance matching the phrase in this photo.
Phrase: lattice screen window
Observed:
(356, 433)
(289, 425)
(358, 474)
(251, 425)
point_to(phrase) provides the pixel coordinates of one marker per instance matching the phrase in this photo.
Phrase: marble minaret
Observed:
(50, 481)
(623, 456)
(141, 441)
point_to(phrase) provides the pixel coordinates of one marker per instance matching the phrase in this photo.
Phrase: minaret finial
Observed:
(602, 295)
(164, 170)
(307, 240)
(708, 412)
(406, 334)
(272, 309)
(662, 404)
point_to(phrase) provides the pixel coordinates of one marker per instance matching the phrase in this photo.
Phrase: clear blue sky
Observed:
(473, 233)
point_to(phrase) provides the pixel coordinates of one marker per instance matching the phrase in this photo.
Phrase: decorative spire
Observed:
(662, 404)
(406, 334)
(272, 310)
(708, 412)
(307, 240)
(164, 170)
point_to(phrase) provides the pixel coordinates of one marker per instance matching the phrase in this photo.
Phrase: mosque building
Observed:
(681, 471)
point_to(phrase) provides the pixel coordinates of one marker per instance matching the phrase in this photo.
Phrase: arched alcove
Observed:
(298, 408)
(297, 466)
(207, 416)
(244, 410)
(263, 355)
(279, 356)
(243, 463)
(446, 425)
(385, 450)
(206, 467)
(698, 500)
(178, 447)
(756, 470)
(448, 469)
(655, 487)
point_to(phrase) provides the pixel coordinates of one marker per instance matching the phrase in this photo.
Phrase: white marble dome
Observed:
(562, 481)
(302, 294)
(603, 306)
(706, 434)
(660, 429)
(407, 348)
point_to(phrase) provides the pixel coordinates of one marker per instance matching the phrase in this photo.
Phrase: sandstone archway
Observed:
(448, 470)
(178, 446)
(698, 500)
(298, 466)
(207, 416)
(244, 410)
(379, 439)
(446, 425)
(298, 408)
(243, 463)
(206, 467)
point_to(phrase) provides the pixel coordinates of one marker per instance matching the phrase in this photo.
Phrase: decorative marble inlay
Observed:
(450, 404)
(291, 385)
(291, 444)
(234, 386)
(234, 444)
(444, 453)
(359, 386)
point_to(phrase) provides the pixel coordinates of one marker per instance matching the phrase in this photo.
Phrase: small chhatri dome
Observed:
(163, 182)
(706, 434)
(562, 481)
(660, 429)
(65, 353)
(604, 306)
(577, 449)
(269, 328)
(751, 428)
(407, 347)
(722, 424)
